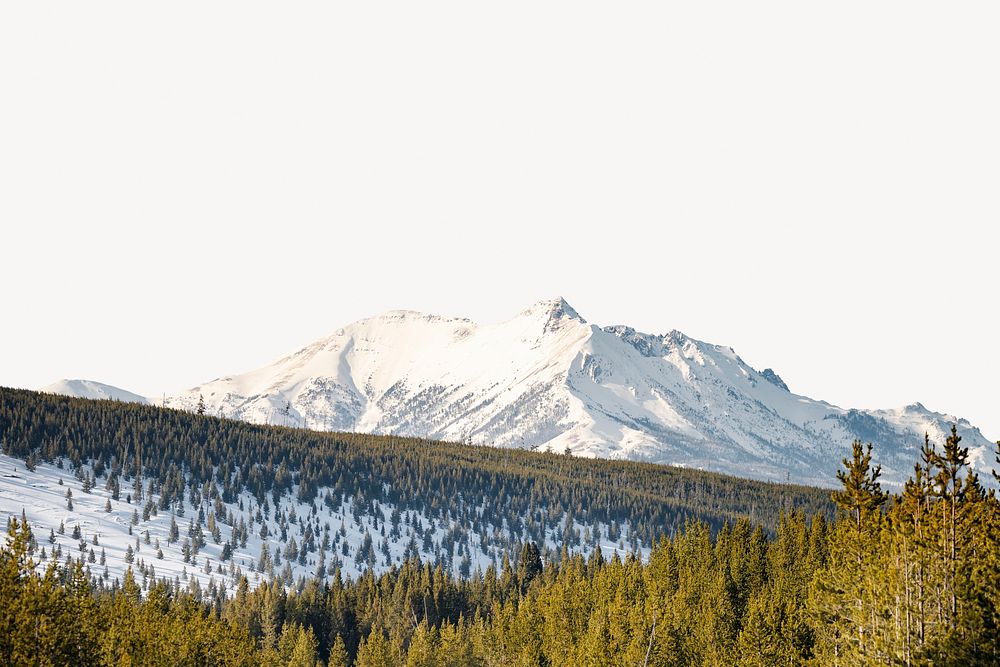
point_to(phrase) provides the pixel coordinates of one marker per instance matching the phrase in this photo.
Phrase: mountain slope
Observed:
(549, 380)
(292, 502)
(92, 389)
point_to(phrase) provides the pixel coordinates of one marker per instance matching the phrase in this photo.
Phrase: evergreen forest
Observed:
(731, 571)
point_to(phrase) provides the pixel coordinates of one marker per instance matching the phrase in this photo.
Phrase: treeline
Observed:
(58, 618)
(697, 600)
(912, 578)
(907, 579)
(186, 453)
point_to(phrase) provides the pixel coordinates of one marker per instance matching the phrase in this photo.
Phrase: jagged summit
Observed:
(545, 379)
(774, 378)
(553, 309)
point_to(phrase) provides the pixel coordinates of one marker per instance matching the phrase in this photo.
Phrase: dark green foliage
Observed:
(529, 566)
(182, 451)
(58, 618)
(917, 583)
(908, 579)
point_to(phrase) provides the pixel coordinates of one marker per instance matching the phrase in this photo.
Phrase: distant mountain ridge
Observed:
(547, 379)
(92, 389)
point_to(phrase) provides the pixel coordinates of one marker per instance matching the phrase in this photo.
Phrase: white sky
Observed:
(190, 189)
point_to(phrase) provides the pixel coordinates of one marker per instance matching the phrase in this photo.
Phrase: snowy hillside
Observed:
(91, 389)
(73, 517)
(549, 380)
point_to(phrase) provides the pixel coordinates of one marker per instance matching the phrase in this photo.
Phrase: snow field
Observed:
(42, 499)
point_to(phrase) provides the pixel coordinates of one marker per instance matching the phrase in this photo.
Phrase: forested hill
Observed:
(180, 452)
(912, 578)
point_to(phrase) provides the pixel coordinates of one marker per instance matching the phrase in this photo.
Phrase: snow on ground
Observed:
(42, 496)
(92, 389)
(546, 379)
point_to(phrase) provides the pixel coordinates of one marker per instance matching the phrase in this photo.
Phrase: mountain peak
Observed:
(774, 378)
(554, 309)
(545, 379)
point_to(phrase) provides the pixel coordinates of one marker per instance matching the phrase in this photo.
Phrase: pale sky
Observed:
(192, 189)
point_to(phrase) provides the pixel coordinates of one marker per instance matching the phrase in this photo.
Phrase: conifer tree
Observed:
(173, 532)
(842, 599)
(529, 566)
(951, 488)
(338, 653)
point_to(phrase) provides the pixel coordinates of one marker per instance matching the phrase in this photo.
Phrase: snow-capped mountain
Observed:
(547, 379)
(91, 389)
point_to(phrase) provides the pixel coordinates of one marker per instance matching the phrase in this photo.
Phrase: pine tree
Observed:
(861, 494)
(173, 533)
(377, 651)
(529, 566)
(338, 654)
(291, 550)
(951, 488)
(842, 600)
(996, 470)
(304, 650)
